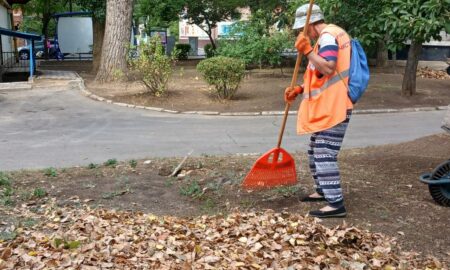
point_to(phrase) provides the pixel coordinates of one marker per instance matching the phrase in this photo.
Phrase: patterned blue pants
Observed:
(324, 149)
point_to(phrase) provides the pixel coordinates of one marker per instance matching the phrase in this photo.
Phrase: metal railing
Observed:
(9, 60)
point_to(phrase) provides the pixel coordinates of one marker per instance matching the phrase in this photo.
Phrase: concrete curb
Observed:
(16, 86)
(89, 94)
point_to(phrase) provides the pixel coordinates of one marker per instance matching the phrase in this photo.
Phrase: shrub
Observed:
(223, 73)
(255, 44)
(4, 180)
(111, 162)
(182, 51)
(50, 172)
(209, 51)
(154, 65)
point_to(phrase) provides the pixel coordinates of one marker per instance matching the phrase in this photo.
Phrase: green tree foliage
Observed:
(158, 13)
(38, 16)
(97, 7)
(206, 14)
(224, 73)
(255, 42)
(414, 21)
(361, 19)
(274, 10)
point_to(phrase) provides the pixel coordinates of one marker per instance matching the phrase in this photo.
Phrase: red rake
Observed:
(277, 167)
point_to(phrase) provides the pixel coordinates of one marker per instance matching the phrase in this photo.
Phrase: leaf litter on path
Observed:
(110, 239)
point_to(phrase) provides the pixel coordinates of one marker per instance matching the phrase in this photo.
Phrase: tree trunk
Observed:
(213, 43)
(45, 22)
(99, 34)
(209, 31)
(382, 54)
(409, 79)
(113, 64)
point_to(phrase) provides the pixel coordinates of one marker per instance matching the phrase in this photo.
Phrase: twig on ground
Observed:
(178, 168)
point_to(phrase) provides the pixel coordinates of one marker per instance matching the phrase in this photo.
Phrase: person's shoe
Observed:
(340, 212)
(312, 199)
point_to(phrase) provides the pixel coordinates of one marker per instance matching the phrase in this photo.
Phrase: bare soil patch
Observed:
(262, 90)
(381, 189)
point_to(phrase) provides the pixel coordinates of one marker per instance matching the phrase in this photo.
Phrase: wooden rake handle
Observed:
(295, 75)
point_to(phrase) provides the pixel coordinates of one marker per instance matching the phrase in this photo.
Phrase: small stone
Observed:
(147, 162)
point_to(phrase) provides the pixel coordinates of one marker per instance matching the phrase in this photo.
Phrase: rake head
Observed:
(274, 168)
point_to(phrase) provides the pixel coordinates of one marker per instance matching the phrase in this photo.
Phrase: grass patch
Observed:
(8, 236)
(5, 196)
(92, 166)
(29, 222)
(50, 172)
(111, 163)
(4, 180)
(133, 163)
(193, 189)
(286, 191)
(39, 193)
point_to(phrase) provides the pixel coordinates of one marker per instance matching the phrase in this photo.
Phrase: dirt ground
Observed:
(381, 189)
(262, 90)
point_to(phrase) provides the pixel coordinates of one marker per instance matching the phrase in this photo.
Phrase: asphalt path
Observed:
(62, 128)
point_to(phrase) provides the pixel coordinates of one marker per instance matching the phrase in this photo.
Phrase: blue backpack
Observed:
(359, 72)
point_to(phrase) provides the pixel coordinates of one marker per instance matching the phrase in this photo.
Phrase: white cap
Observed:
(301, 13)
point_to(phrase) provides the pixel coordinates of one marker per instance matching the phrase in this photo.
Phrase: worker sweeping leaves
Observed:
(326, 106)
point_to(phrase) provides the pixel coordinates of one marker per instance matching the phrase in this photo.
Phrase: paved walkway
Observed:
(61, 128)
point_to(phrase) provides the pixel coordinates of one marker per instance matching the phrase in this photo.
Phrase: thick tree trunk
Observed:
(382, 54)
(409, 79)
(99, 34)
(113, 64)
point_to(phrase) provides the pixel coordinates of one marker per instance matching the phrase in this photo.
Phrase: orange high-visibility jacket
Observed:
(325, 99)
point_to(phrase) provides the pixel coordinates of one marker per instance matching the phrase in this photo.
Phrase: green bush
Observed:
(154, 65)
(182, 51)
(255, 44)
(209, 51)
(224, 73)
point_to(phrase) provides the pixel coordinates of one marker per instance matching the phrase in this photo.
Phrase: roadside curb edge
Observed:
(87, 93)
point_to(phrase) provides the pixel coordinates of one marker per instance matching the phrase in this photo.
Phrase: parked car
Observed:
(24, 52)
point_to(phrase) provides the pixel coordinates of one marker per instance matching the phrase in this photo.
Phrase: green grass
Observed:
(5, 196)
(92, 166)
(8, 236)
(286, 191)
(29, 222)
(111, 163)
(50, 172)
(133, 163)
(193, 189)
(4, 180)
(39, 193)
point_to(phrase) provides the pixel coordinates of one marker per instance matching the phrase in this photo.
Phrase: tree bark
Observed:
(99, 34)
(382, 54)
(213, 43)
(409, 79)
(113, 64)
(45, 22)
(209, 33)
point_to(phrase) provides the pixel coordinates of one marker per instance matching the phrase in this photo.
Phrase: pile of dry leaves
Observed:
(429, 73)
(83, 238)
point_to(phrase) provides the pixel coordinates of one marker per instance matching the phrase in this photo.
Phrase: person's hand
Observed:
(303, 44)
(291, 93)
